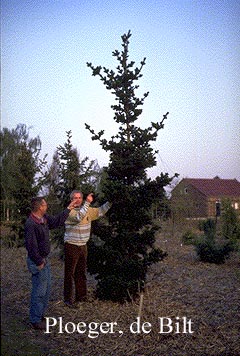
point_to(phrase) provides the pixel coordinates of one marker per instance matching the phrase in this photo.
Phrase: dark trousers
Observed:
(75, 272)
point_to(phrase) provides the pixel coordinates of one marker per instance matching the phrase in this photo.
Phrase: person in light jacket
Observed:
(77, 234)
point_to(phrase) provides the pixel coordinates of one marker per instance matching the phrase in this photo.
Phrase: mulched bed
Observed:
(180, 288)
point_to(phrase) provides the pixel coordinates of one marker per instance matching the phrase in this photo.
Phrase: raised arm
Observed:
(104, 208)
(77, 215)
(84, 208)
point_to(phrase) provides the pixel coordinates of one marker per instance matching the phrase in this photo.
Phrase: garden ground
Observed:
(180, 288)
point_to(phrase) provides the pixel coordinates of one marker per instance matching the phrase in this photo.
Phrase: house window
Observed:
(236, 206)
(218, 208)
(185, 190)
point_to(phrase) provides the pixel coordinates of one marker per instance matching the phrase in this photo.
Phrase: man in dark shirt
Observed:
(37, 243)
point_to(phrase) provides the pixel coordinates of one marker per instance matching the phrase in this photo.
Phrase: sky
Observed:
(192, 71)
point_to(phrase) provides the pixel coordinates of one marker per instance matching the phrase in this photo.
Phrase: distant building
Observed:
(202, 198)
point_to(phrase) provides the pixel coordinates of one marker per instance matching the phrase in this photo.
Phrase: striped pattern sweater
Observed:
(78, 225)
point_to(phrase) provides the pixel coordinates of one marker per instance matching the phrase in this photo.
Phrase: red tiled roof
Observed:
(216, 187)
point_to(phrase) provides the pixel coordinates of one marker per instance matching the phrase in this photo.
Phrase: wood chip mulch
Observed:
(197, 304)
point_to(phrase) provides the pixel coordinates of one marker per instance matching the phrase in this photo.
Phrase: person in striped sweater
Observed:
(77, 234)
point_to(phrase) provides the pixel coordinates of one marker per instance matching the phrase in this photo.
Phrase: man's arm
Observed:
(96, 213)
(57, 220)
(104, 208)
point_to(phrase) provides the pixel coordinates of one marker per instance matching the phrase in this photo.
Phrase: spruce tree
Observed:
(67, 173)
(126, 250)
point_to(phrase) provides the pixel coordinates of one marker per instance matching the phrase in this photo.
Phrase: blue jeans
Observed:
(41, 286)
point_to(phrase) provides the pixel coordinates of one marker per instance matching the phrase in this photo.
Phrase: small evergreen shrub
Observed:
(209, 251)
(208, 227)
(189, 238)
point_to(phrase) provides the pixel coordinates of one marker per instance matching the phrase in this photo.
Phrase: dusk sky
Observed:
(192, 71)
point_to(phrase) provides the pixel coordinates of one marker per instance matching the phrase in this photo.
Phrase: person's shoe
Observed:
(39, 326)
(69, 304)
(82, 299)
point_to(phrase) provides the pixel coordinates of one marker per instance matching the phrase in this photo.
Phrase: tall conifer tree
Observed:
(120, 262)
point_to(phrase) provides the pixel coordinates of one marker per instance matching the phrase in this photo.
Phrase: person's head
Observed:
(77, 197)
(39, 205)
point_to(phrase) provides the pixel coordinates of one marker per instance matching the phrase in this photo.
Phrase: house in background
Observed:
(202, 198)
